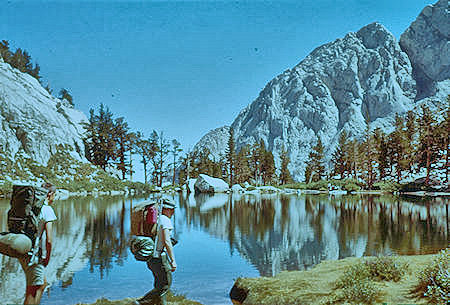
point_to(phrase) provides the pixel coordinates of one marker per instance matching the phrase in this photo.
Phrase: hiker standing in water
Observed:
(163, 263)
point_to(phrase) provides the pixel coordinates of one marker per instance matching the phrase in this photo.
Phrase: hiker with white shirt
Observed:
(162, 263)
(35, 271)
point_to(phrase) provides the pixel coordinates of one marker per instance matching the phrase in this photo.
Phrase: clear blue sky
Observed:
(183, 67)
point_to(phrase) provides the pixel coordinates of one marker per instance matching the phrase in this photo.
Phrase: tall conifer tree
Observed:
(315, 170)
(428, 146)
(285, 175)
(230, 153)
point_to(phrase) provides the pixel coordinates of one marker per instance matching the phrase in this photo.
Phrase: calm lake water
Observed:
(221, 238)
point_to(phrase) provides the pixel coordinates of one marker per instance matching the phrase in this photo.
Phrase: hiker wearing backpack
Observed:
(34, 265)
(162, 263)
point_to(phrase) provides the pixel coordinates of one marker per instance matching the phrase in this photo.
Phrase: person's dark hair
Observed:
(50, 187)
(238, 294)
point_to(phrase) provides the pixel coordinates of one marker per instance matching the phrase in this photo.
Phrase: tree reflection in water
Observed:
(286, 232)
(272, 232)
(107, 239)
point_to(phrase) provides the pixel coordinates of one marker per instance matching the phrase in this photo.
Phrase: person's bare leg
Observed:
(33, 294)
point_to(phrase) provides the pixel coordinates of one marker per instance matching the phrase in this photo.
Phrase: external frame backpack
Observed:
(26, 205)
(23, 222)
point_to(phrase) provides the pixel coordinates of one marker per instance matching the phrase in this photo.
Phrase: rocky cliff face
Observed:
(33, 122)
(363, 78)
(215, 141)
(427, 44)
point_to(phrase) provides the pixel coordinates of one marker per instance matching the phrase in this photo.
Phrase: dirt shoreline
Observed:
(171, 300)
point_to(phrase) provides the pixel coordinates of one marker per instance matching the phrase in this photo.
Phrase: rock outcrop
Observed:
(363, 78)
(427, 44)
(33, 122)
(207, 184)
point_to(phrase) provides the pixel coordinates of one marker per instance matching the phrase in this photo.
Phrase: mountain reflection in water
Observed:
(269, 232)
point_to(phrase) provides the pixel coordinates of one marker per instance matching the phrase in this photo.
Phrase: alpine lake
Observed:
(221, 238)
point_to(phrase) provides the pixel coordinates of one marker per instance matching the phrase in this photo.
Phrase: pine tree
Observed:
(368, 149)
(131, 148)
(243, 167)
(142, 149)
(315, 170)
(256, 160)
(64, 94)
(175, 150)
(285, 175)
(428, 146)
(5, 52)
(354, 157)
(230, 153)
(381, 144)
(267, 167)
(35, 72)
(152, 154)
(100, 141)
(18, 60)
(443, 134)
(121, 138)
(339, 157)
(410, 134)
(397, 141)
(159, 160)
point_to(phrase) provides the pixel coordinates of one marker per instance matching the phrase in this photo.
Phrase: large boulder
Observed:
(237, 188)
(207, 184)
(190, 183)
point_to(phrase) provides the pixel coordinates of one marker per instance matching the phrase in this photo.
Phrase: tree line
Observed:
(251, 163)
(21, 60)
(109, 143)
(419, 142)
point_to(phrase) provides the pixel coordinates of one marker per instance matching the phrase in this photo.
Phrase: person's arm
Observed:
(169, 248)
(48, 242)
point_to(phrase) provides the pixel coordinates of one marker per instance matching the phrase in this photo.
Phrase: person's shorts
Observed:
(35, 274)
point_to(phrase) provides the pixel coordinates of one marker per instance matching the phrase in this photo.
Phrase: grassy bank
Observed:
(171, 300)
(422, 279)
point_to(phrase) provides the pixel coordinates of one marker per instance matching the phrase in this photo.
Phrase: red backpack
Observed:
(152, 214)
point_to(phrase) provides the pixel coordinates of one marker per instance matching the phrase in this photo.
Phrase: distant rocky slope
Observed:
(366, 76)
(216, 140)
(427, 44)
(32, 122)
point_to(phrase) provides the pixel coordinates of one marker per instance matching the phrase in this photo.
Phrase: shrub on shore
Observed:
(386, 186)
(357, 284)
(434, 280)
(322, 185)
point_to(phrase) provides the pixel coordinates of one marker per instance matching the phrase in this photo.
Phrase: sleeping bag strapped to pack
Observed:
(23, 220)
(142, 247)
(14, 245)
